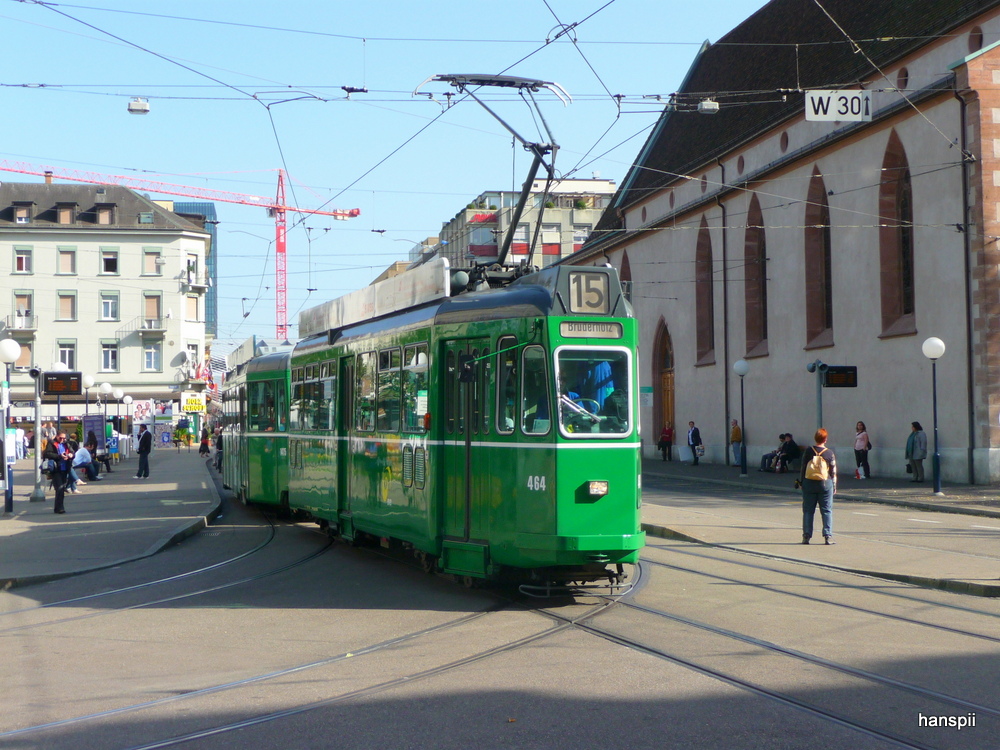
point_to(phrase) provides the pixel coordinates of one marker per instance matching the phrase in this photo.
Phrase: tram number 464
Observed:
(536, 484)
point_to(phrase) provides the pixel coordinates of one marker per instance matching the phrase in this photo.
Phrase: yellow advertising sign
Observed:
(192, 403)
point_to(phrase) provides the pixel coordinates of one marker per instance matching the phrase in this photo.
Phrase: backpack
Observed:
(818, 468)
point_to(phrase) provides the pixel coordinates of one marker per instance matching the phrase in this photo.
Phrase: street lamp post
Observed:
(105, 388)
(10, 352)
(122, 449)
(741, 367)
(87, 382)
(118, 393)
(933, 349)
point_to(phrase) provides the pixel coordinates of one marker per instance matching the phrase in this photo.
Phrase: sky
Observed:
(238, 89)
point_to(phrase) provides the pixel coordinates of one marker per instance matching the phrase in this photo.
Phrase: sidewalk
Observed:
(108, 522)
(965, 573)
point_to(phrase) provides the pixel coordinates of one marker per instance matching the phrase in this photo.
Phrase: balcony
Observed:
(28, 323)
(147, 327)
(197, 282)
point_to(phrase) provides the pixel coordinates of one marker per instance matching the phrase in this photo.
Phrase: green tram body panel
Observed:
(477, 497)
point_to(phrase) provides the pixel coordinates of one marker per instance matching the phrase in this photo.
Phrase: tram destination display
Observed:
(841, 376)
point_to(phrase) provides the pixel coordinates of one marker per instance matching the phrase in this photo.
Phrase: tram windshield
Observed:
(594, 393)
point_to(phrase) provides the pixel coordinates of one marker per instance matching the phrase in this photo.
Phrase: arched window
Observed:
(896, 242)
(818, 266)
(704, 291)
(755, 286)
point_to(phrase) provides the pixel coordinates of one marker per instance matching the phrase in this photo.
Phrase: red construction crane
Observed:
(276, 207)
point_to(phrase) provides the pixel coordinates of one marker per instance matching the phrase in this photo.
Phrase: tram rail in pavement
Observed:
(109, 522)
(977, 572)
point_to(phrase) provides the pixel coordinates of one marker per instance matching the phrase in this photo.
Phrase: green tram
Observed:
(494, 433)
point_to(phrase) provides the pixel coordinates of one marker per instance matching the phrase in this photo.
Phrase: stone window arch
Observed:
(818, 265)
(896, 242)
(704, 290)
(755, 284)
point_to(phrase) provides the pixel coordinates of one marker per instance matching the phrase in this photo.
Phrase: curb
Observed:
(850, 497)
(180, 533)
(943, 584)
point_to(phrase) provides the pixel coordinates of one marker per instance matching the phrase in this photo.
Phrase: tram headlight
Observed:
(597, 488)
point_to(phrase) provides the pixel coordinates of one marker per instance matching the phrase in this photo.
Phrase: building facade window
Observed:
(818, 265)
(65, 213)
(109, 306)
(704, 291)
(151, 265)
(109, 261)
(896, 243)
(152, 310)
(109, 356)
(67, 306)
(152, 358)
(191, 308)
(23, 310)
(26, 359)
(67, 261)
(22, 260)
(755, 286)
(67, 352)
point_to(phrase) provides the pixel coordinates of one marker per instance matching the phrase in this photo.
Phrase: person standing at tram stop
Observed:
(736, 440)
(666, 443)
(58, 451)
(862, 444)
(48, 433)
(145, 446)
(694, 442)
(818, 480)
(916, 451)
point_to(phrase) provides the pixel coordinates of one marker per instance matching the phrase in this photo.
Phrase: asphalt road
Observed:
(253, 634)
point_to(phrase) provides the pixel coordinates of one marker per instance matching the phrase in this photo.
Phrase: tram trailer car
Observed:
(494, 433)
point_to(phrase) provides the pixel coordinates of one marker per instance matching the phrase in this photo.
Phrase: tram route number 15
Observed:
(588, 293)
(536, 484)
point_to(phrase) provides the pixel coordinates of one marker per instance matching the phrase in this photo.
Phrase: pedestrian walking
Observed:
(694, 443)
(916, 452)
(145, 446)
(862, 444)
(666, 443)
(736, 441)
(818, 480)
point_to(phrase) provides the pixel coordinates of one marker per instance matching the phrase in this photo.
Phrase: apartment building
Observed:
(106, 282)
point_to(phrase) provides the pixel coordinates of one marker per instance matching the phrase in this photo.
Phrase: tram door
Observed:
(466, 424)
(345, 428)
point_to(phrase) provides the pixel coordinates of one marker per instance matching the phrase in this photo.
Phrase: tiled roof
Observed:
(758, 61)
(45, 197)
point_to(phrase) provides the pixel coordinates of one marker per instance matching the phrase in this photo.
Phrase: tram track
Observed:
(156, 582)
(836, 717)
(166, 599)
(775, 589)
(357, 693)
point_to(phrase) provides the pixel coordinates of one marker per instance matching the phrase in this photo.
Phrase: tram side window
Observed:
(279, 412)
(535, 412)
(295, 408)
(451, 391)
(506, 384)
(387, 416)
(328, 393)
(261, 407)
(364, 412)
(414, 388)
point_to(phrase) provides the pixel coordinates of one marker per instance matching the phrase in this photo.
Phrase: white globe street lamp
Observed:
(933, 349)
(741, 367)
(10, 352)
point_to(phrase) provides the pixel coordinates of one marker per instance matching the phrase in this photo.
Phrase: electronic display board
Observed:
(62, 384)
(841, 376)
